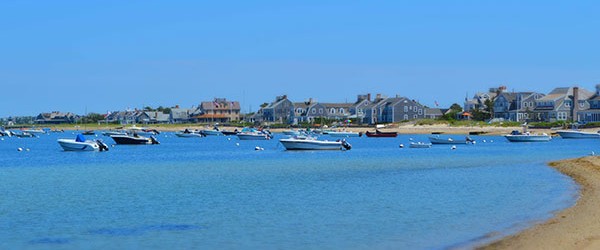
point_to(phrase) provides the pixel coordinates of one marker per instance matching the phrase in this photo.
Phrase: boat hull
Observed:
(344, 134)
(381, 134)
(291, 144)
(565, 134)
(438, 140)
(188, 135)
(211, 133)
(72, 145)
(243, 136)
(420, 145)
(528, 138)
(132, 140)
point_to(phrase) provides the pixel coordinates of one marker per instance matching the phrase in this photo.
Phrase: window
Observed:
(561, 116)
(581, 104)
(420, 111)
(568, 104)
(320, 111)
(415, 108)
(405, 110)
(405, 116)
(416, 116)
(332, 111)
(314, 110)
(341, 110)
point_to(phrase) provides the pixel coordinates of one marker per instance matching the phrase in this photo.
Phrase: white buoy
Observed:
(1, 139)
(491, 140)
(483, 141)
(229, 139)
(401, 145)
(410, 139)
(19, 149)
(237, 143)
(259, 148)
(473, 142)
(453, 147)
(27, 149)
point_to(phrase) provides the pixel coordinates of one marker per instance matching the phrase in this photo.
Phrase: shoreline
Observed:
(402, 129)
(576, 227)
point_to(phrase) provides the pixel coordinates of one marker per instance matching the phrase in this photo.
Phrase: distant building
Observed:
(279, 111)
(181, 115)
(396, 109)
(434, 113)
(218, 110)
(562, 104)
(516, 106)
(592, 114)
(479, 100)
(357, 110)
(56, 117)
(152, 117)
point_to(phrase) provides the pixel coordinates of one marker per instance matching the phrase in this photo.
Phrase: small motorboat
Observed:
(311, 143)
(143, 131)
(81, 144)
(187, 133)
(378, 133)
(344, 134)
(34, 131)
(516, 136)
(211, 132)
(114, 132)
(23, 134)
(134, 139)
(420, 145)
(89, 132)
(225, 132)
(254, 134)
(437, 139)
(576, 134)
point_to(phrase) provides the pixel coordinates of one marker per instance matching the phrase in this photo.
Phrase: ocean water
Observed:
(219, 193)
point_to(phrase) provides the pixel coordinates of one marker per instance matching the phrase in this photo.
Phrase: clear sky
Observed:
(105, 55)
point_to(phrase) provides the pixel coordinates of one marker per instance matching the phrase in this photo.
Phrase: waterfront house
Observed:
(516, 106)
(180, 115)
(279, 111)
(592, 114)
(395, 109)
(312, 111)
(558, 105)
(434, 113)
(56, 117)
(152, 117)
(123, 117)
(357, 110)
(479, 100)
(218, 110)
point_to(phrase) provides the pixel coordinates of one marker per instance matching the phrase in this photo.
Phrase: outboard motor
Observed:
(102, 145)
(153, 139)
(346, 145)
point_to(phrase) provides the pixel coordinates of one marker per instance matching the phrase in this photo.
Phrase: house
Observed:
(123, 117)
(152, 117)
(515, 106)
(434, 113)
(396, 109)
(311, 111)
(219, 110)
(56, 117)
(479, 100)
(180, 115)
(279, 111)
(357, 110)
(558, 104)
(592, 114)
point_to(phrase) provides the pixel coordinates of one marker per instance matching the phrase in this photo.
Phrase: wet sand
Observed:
(577, 227)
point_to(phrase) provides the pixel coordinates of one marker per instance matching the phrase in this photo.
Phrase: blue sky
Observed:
(97, 56)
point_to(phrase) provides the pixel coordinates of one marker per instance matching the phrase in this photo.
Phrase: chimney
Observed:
(598, 89)
(575, 104)
(369, 96)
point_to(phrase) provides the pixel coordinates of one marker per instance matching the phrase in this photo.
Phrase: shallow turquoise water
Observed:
(209, 193)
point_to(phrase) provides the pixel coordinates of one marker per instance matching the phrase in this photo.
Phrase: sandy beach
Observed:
(577, 227)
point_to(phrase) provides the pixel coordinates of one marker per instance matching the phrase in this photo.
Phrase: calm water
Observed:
(210, 193)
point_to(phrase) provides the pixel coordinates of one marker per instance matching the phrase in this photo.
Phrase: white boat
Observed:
(311, 143)
(34, 131)
(436, 139)
(114, 132)
(189, 133)
(253, 134)
(517, 136)
(142, 131)
(291, 132)
(576, 134)
(211, 132)
(81, 144)
(344, 134)
(420, 145)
